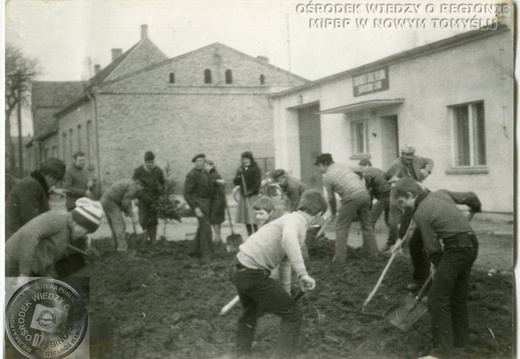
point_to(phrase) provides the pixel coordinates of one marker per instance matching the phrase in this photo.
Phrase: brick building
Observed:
(213, 100)
(47, 98)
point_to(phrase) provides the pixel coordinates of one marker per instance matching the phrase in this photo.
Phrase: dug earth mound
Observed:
(161, 303)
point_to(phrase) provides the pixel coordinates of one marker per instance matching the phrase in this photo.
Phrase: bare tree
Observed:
(20, 70)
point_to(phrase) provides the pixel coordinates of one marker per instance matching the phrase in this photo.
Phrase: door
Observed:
(389, 140)
(310, 145)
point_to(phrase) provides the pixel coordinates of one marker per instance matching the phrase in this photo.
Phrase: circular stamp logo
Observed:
(46, 318)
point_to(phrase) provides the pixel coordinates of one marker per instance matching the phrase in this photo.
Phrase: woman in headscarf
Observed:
(249, 178)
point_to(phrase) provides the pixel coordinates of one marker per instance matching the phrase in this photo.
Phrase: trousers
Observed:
(448, 305)
(258, 292)
(117, 224)
(202, 246)
(357, 205)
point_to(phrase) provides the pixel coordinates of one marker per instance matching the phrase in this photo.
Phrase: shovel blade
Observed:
(404, 316)
(233, 241)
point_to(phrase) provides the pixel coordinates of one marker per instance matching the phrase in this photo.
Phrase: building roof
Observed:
(47, 98)
(205, 48)
(144, 48)
(399, 57)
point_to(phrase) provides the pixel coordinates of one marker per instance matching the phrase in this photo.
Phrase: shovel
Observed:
(409, 232)
(405, 315)
(234, 240)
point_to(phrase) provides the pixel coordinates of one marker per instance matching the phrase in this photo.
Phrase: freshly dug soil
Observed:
(162, 303)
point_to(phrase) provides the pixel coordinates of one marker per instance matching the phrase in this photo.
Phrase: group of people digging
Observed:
(442, 243)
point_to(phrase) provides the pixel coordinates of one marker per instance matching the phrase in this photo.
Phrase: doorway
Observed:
(310, 145)
(389, 140)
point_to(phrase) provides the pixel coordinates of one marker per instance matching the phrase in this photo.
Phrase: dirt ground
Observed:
(163, 304)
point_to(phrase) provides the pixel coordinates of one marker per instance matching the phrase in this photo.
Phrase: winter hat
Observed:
(324, 159)
(87, 214)
(200, 155)
(53, 167)
(149, 156)
(277, 174)
(248, 154)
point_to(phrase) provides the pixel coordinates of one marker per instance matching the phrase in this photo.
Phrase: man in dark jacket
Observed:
(30, 196)
(421, 266)
(379, 188)
(439, 219)
(408, 165)
(76, 181)
(152, 179)
(291, 187)
(198, 189)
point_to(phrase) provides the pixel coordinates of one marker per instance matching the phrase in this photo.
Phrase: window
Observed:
(79, 137)
(64, 145)
(89, 133)
(262, 79)
(469, 134)
(359, 137)
(172, 78)
(71, 142)
(207, 76)
(229, 77)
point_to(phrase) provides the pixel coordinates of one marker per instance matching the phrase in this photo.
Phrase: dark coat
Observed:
(252, 178)
(153, 183)
(294, 189)
(399, 169)
(198, 185)
(376, 183)
(75, 182)
(218, 199)
(28, 199)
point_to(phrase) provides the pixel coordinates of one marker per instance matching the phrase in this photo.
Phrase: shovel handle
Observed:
(409, 231)
(379, 281)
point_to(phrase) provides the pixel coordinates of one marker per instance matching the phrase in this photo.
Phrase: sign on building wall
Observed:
(369, 82)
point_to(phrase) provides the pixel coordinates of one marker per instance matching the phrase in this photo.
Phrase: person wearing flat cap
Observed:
(30, 196)
(36, 247)
(153, 180)
(408, 165)
(355, 201)
(292, 187)
(249, 178)
(198, 191)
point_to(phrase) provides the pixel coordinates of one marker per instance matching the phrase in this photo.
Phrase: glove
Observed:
(307, 282)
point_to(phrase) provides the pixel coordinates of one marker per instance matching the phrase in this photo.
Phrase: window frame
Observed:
(208, 77)
(354, 138)
(228, 77)
(476, 159)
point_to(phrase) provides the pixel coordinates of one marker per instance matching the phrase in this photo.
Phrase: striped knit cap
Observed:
(87, 214)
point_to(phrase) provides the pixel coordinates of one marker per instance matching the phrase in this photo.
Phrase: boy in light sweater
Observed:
(277, 243)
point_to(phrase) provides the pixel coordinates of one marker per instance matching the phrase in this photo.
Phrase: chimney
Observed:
(97, 68)
(144, 31)
(263, 59)
(116, 53)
